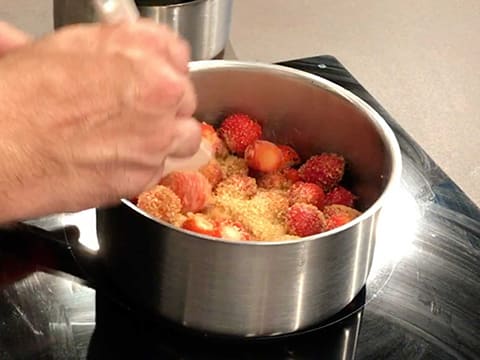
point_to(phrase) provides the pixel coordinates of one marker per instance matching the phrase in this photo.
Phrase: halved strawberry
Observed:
(238, 131)
(263, 156)
(291, 174)
(201, 224)
(213, 172)
(218, 146)
(308, 193)
(191, 187)
(338, 215)
(231, 230)
(289, 155)
(304, 220)
(337, 220)
(340, 195)
(325, 170)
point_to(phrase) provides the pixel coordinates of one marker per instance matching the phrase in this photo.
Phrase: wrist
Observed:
(17, 190)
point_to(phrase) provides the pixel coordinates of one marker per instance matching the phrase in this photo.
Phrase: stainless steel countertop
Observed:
(419, 58)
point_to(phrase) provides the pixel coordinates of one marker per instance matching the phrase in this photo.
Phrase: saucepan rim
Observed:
(172, 6)
(384, 131)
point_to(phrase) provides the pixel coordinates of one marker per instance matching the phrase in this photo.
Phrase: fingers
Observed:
(165, 41)
(11, 38)
(187, 137)
(179, 54)
(161, 58)
(188, 102)
(157, 88)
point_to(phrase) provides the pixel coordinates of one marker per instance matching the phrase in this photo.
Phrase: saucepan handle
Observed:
(49, 250)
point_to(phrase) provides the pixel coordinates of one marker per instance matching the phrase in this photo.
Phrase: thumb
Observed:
(11, 38)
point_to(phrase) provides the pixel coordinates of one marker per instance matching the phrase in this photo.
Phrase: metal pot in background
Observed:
(205, 24)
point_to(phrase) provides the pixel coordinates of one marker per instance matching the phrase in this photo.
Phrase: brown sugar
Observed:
(262, 215)
(233, 165)
(161, 202)
(238, 186)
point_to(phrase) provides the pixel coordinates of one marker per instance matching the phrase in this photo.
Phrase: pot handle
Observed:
(49, 251)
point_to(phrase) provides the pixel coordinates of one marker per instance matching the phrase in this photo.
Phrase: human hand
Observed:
(89, 115)
(11, 38)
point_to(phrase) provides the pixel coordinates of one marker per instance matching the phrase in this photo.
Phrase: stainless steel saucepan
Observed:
(257, 288)
(251, 289)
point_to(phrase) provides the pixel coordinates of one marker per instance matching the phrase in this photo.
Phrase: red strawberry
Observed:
(325, 170)
(231, 230)
(218, 146)
(263, 156)
(331, 210)
(191, 187)
(213, 172)
(337, 220)
(201, 224)
(239, 131)
(340, 195)
(160, 202)
(338, 215)
(289, 155)
(308, 193)
(291, 174)
(304, 220)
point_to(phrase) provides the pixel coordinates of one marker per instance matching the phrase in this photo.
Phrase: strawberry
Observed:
(160, 202)
(232, 230)
(263, 156)
(201, 224)
(274, 180)
(238, 131)
(280, 179)
(340, 195)
(325, 170)
(213, 172)
(308, 193)
(237, 186)
(338, 215)
(289, 156)
(304, 220)
(191, 187)
(291, 174)
(218, 146)
(336, 220)
(330, 210)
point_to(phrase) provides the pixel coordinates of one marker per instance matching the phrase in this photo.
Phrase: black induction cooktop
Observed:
(421, 300)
